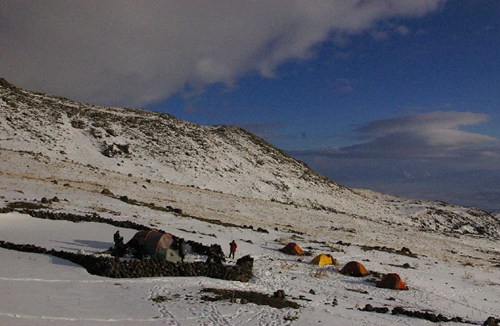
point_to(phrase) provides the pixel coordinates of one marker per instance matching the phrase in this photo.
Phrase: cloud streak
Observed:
(138, 52)
(434, 135)
(418, 156)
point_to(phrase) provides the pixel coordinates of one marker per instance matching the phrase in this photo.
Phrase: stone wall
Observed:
(115, 268)
(199, 248)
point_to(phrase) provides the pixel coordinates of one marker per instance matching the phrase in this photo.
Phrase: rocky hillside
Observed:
(225, 159)
(153, 145)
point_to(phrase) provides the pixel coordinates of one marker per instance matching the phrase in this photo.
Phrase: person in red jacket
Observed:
(232, 249)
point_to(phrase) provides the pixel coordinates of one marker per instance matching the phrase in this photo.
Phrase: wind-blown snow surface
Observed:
(46, 152)
(453, 275)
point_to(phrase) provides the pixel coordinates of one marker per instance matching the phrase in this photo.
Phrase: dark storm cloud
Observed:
(138, 52)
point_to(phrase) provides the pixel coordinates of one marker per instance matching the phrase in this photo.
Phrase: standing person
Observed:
(232, 249)
(117, 237)
(182, 249)
(120, 248)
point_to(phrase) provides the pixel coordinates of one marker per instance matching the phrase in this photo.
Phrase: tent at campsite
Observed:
(324, 259)
(392, 281)
(354, 268)
(154, 243)
(292, 249)
(168, 255)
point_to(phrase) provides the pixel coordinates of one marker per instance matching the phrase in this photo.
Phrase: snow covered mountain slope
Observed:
(449, 274)
(60, 156)
(156, 146)
(224, 159)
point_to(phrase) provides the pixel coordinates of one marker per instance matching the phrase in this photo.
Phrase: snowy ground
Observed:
(453, 275)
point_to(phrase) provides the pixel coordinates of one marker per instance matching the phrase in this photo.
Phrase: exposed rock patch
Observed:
(249, 297)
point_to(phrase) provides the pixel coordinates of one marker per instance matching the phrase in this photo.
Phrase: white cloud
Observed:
(432, 129)
(403, 30)
(419, 156)
(434, 135)
(137, 52)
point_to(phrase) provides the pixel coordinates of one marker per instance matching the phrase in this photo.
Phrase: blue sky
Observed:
(398, 96)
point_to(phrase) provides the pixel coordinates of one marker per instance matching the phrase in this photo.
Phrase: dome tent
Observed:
(392, 281)
(148, 242)
(354, 268)
(324, 259)
(292, 249)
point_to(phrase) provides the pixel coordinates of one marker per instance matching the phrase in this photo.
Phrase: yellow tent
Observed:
(324, 259)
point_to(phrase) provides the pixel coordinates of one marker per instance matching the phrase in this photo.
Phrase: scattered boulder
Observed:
(428, 316)
(368, 307)
(111, 132)
(45, 200)
(107, 192)
(279, 294)
(116, 150)
(406, 251)
(78, 124)
(491, 321)
(381, 310)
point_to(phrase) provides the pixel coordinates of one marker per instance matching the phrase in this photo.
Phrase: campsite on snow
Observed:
(309, 251)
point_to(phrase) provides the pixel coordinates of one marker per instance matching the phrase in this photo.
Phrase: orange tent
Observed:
(292, 249)
(354, 268)
(392, 281)
(324, 259)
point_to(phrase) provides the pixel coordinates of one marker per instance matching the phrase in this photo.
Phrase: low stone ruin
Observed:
(115, 268)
